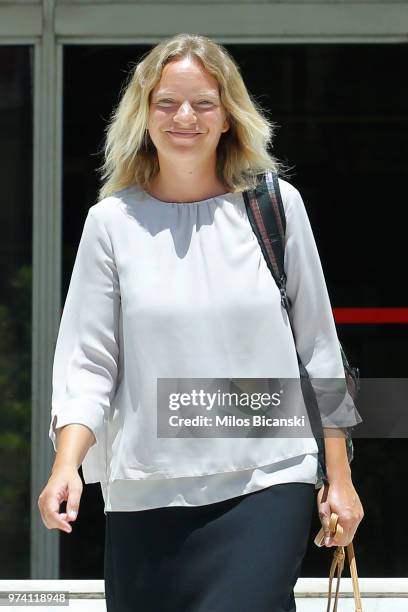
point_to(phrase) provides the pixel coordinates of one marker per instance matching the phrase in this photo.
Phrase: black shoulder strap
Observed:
(267, 216)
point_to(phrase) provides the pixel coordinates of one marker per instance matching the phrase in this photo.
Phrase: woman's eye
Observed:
(172, 102)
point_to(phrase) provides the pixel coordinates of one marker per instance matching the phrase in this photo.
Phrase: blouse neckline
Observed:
(187, 204)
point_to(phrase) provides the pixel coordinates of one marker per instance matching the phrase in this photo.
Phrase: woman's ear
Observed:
(226, 125)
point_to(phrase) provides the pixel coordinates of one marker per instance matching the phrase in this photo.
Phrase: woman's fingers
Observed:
(341, 498)
(65, 517)
(324, 514)
(74, 496)
(63, 485)
(49, 504)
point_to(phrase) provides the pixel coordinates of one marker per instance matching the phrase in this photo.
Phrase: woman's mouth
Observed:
(184, 134)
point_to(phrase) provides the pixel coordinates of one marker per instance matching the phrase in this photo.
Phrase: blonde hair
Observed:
(130, 155)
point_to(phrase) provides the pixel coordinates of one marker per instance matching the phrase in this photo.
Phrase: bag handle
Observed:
(338, 563)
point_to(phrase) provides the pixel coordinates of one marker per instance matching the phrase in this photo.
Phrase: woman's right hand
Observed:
(64, 484)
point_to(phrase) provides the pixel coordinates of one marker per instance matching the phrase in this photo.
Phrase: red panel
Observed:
(370, 315)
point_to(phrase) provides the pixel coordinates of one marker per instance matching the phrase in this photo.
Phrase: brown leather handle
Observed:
(336, 530)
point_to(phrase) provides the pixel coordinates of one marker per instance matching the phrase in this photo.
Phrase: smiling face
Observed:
(186, 116)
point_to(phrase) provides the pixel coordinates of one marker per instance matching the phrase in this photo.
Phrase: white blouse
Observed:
(182, 290)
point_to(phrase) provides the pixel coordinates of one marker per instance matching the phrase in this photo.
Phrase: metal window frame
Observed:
(48, 26)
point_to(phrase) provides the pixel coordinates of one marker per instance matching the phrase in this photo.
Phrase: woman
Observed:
(170, 282)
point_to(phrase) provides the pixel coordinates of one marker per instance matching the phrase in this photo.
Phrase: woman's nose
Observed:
(185, 111)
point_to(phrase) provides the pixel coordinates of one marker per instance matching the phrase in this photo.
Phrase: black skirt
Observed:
(237, 555)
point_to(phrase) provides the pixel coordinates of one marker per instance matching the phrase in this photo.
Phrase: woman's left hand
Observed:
(340, 497)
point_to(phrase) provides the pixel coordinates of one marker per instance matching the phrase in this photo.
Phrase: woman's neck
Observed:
(186, 187)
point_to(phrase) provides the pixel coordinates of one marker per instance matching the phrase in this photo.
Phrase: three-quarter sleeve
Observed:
(86, 354)
(312, 318)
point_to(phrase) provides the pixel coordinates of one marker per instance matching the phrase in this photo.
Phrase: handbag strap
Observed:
(338, 563)
(354, 577)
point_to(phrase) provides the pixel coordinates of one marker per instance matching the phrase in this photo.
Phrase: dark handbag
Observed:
(267, 217)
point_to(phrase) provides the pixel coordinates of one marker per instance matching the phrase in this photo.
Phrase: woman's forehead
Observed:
(179, 74)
